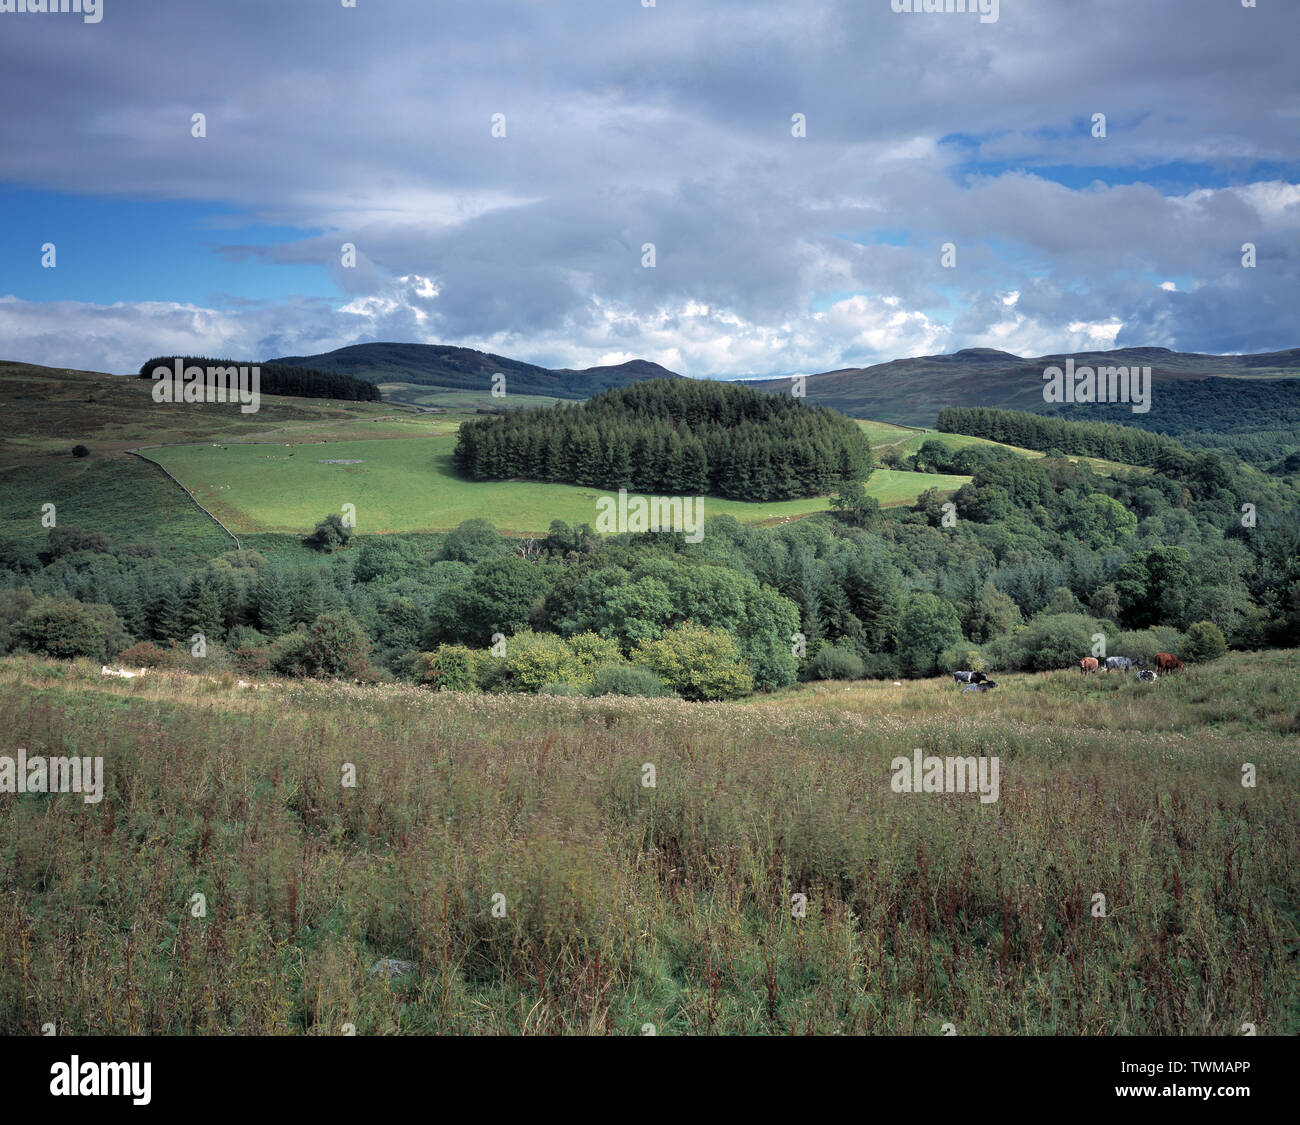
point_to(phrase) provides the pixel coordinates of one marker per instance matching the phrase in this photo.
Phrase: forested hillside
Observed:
(1028, 563)
(681, 437)
(1258, 421)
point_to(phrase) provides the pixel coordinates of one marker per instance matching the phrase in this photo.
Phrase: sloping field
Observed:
(908, 439)
(410, 486)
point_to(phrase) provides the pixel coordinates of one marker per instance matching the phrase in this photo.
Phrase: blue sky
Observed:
(670, 125)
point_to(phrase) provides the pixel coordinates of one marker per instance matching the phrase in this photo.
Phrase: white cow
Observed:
(105, 670)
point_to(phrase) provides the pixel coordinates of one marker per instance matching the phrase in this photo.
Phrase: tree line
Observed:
(281, 379)
(676, 437)
(1047, 434)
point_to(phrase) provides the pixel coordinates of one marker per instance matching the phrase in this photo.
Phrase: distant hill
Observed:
(438, 365)
(911, 392)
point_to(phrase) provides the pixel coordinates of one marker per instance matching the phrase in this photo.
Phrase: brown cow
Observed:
(1167, 662)
(1088, 664)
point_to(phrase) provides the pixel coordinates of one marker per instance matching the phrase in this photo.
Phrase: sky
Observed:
(798, 167)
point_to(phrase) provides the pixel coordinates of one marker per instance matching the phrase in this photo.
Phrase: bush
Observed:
(560, 687)
(248, 660)
(448, 668)
(288, 655)
(14, 605)
(337, 645)
(68, 629)
(144, 655)
(593, 650)
(834, 663)
(1049, 641)
(697, 663)
(1204, 641)
(1143, 644)
(962, 658)
(626, 679)
(330, 534)
(881, 666)
(473, 541)
(71, 539)
(533, 660)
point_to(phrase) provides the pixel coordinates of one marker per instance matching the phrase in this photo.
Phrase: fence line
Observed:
(201, 508)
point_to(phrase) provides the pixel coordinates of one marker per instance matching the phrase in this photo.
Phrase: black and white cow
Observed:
(983, 685)
(969, 677)
(1146, 675)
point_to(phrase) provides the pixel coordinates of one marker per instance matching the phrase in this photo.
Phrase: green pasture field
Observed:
(908, 439)
(400, 486)
(454, 399)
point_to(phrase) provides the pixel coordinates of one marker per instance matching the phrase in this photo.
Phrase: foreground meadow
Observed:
(626, 905)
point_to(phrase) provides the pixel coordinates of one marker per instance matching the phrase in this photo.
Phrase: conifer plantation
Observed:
(673, 436)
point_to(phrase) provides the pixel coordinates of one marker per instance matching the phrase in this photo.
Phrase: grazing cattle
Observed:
(1120, 663)
(1088, 664)
(1167, 662)
(969, 677)
(1146, 675)
(983, 685)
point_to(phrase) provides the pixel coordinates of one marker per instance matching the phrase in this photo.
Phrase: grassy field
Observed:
(264, 473)
(626, 905)
(450, 398)
(908, 439)
(411, 486)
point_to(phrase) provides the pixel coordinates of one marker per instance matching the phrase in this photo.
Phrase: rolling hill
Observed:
(911, 391)
(438, 365)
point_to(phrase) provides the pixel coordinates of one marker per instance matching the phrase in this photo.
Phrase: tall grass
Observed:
(671, 906)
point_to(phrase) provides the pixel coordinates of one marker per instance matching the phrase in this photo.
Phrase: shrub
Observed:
(248, 660)
(533, 660)
(626, 679)
(448, 668)
(337, 645)
(14, 605)
(68, 540)
(288, 655)
(697, 663)
(593, 650)
(834, 663)
(473, 541)
(144, 655)
(67, 629)
(881, 666)
(1143, 644)
(560, 687)
(1204, 641)
(330, 534)
(962, 657)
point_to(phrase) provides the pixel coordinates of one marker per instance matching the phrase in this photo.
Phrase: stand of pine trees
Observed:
(1080, 439)
(674, 437)
(282, 379)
